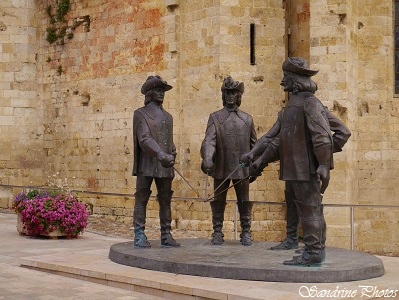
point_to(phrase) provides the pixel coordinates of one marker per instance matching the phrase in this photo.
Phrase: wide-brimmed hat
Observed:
(154, 82)
(230, 84)
(298, 65)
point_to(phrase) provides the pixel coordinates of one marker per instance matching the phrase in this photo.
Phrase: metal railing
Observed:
(350, 206)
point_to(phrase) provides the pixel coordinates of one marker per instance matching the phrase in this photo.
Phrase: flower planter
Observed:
(53, 235)
(20, 226)
(41, 213)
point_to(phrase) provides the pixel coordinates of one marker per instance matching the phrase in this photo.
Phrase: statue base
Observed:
(257, 262)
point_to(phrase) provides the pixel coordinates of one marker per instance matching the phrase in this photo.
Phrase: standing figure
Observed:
(270, 141)
(230, 133)
(154, 157)
(301, 139)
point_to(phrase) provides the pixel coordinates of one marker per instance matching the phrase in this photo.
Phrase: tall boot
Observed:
(165, 218)
(245, 210)
(139, 216)
(312, 224)
(218, 208)
(291, 241)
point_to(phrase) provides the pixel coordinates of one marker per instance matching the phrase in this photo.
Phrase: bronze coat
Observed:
(304, 128)
(229, 134)
(152, 138)
(269, 143)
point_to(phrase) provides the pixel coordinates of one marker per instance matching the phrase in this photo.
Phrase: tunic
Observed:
(152, 138)
(229, 134)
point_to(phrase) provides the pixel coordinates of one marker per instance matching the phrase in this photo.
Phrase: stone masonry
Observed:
(66, 108)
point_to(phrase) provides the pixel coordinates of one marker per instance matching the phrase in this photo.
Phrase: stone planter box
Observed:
(53, 235)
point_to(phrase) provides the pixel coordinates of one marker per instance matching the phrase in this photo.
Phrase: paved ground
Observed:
(21, 283)
(87, 258)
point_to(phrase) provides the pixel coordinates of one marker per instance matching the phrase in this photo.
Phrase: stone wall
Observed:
(66, 108)
(21, 134)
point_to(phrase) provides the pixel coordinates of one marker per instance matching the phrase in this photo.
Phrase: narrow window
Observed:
(252, 43)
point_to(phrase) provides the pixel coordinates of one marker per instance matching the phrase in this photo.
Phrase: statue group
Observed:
(303, 138)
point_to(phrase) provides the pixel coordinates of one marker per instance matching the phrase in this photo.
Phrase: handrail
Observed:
(350, 206)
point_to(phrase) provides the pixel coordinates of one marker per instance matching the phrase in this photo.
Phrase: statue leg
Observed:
(164, 198)
(143, 192)
(311, 214)
(245, 211)
(218, 206)
(291, 241)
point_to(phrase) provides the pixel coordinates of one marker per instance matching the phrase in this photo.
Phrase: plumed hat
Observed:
(298, 65)
(230, 84)
(154, 82)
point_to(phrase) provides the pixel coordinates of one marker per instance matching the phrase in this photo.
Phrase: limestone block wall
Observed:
(377, 117)
(21, 133)
(329, 48)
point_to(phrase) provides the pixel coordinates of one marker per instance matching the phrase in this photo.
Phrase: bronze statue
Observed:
(301, 139)
(154, 157)
(340, 136)
(230, 133)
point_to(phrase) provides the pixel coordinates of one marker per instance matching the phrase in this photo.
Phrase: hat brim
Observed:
(239, 87)
(290, 66)
(154, 83)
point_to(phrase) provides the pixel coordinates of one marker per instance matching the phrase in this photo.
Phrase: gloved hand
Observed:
(246, 159)
(207, 167)
(255, 169)
(323, 175)
(167, 161)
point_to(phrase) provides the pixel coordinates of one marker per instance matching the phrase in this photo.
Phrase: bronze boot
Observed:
(312, 224)
(245, 210)
(291, 241)
(218, 208)
(165, 218)
(139, 215)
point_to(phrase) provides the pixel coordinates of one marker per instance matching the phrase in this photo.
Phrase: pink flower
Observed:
(43, 212)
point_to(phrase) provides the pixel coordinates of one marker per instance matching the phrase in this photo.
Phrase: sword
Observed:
(206, 186)
(239, 165)
(187, 183)
(213, 197)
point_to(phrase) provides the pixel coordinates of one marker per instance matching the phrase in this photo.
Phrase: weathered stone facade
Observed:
(68, 108)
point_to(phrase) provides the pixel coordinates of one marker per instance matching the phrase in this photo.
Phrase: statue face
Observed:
(231, 97)
(158, 95)
(287, 82)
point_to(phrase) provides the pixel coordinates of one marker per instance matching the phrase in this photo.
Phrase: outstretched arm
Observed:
(261, 144)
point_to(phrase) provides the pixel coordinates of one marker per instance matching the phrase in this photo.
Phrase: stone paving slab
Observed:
(257, 262)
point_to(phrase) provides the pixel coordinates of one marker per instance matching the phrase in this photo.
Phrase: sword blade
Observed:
(187, 182)
(206, 186)
(213, 197)
(228, 176)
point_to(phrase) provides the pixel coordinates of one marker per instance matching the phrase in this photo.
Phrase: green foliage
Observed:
(32, 194)
(62, 9)
(51, 35)
(57, 30)
(60, 70)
